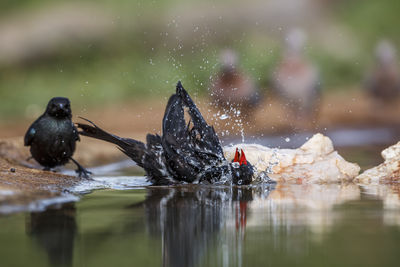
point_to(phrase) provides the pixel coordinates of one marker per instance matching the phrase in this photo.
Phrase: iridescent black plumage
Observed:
(52, 136)
(184, 153)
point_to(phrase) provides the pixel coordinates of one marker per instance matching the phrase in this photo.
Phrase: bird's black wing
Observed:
(154, 161)
(208, 141)
(189, 148)
(30, 133)
(75, 133)
(182, 161)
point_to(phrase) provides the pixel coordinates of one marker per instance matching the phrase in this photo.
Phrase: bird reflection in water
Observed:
(241, 199)
(193, 221)
(54, 230)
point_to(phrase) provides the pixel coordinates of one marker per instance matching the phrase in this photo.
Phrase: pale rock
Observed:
(388, 171)
(314, 162)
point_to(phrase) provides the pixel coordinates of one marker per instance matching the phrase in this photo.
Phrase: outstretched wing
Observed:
(208, 141)
(179, 154)
(188, 150)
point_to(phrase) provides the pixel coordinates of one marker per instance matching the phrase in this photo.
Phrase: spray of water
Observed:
(263, 177)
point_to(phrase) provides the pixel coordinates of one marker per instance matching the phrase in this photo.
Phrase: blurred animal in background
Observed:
(296, 80)
(52, 137)
(383, 81)
(232, 89)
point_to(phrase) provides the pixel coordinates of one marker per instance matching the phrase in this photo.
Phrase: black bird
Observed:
(186, 152)
(53, 135)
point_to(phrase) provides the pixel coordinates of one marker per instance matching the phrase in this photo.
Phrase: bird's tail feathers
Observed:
(132, 148)
(96, 132)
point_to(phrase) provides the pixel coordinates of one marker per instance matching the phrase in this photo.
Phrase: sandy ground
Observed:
(19, 184)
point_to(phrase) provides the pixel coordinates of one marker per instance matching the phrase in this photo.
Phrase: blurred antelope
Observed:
(383, 81)
(296, 80)
(232, 89)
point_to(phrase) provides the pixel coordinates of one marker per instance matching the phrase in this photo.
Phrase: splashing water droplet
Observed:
(223, 117)
(242, 133)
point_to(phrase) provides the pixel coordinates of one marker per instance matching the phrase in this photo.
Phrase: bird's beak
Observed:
(62, 107)
(237, 156)
(242, 158)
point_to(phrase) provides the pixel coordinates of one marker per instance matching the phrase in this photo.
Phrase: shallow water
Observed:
(131, 224)
(302, 225)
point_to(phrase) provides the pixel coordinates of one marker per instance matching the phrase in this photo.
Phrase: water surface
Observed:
(289, 225)
(132, 224)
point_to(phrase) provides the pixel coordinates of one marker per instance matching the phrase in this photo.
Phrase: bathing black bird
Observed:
(52, 136)
(186, 152)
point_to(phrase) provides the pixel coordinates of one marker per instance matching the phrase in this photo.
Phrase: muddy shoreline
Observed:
(21, 183)
(24, 182)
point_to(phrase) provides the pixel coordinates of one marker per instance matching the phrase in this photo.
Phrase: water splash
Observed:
(263, 177)
(107, 182)
(39, 205)
(238, 120)
(224, 117)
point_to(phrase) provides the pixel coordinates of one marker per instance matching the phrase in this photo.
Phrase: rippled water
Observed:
(302, 225)
(131, 224)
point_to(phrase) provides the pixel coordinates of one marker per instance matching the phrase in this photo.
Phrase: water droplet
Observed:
(235, 165)
(223, 117)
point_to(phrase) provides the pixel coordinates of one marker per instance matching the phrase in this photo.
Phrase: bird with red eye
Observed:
(184, 153)
(242, 170)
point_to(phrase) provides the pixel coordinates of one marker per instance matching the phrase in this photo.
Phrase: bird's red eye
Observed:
(236, 159)
(242, 158)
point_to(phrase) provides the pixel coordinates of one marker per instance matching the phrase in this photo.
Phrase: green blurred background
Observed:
(104, 52)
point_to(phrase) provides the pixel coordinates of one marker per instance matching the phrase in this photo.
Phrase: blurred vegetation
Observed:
(371, 20)
(141, 60)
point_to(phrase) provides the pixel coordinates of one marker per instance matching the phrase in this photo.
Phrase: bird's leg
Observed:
(82, 172)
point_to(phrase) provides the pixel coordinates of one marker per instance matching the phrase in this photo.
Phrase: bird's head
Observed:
(295, 40)
(385, 53)
(59, 107)
(242, 170)
(229, 61)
